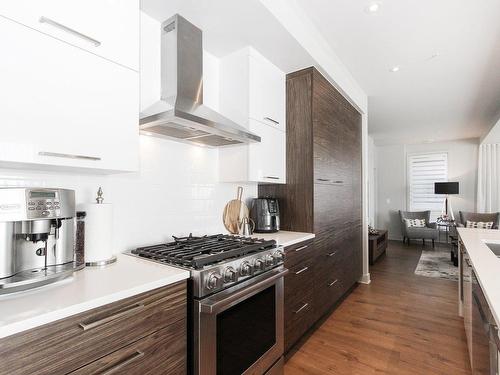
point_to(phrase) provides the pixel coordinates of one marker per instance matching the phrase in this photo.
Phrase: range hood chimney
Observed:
(180, 113)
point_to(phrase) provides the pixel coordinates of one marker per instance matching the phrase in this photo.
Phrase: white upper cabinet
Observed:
(64, 107)
(252, 93)
(252, 88)
(107, 28)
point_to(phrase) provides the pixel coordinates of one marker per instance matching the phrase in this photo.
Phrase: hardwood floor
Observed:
(399, 324)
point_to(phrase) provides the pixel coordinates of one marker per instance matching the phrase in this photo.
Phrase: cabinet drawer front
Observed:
(163, 352)
(71, 343)
(299, 282)
(328, 288)
(299, 253)
(299, 317)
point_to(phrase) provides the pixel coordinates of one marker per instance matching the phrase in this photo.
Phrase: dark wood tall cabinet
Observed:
(323, 193)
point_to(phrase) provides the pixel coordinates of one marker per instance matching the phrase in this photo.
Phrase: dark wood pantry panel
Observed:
(323, 196)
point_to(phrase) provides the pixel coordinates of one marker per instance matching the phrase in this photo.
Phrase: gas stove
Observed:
(216, 262)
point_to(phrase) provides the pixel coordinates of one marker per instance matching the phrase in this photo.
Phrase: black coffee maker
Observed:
(265, 213)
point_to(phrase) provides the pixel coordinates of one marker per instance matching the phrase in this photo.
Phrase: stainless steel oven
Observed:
(240, 330)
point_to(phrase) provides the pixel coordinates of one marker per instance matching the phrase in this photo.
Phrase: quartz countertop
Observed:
(285, 238)
(85, 290)
(486, 265)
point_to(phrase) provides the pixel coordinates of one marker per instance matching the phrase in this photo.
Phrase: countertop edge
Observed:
(309, 236)
(34, 322)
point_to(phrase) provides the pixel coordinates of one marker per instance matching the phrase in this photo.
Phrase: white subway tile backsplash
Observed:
(176, 192)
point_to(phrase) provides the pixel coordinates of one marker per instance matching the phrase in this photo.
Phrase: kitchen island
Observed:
(479, 296)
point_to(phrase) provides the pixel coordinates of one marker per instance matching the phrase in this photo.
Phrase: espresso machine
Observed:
(37, 237)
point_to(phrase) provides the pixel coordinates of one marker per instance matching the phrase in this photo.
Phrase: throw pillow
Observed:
(415, 223)
(479, 224)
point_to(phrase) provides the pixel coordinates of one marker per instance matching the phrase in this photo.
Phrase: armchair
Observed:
(474, 216)
(429, 232)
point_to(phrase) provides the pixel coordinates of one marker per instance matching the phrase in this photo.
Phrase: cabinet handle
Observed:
(333, 283)
(332, 254)
(272, 120)
(302, 270)
(467, 261)
(69, 30)
(68, 156)
(323, 179)
(494, 328)
(132, 358)
(339, 182)
(126, 311)
(272, 177)
(301, 248)
(301, 308)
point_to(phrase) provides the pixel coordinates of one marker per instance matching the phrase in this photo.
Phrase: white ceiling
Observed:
(232, 24)
(456, 95)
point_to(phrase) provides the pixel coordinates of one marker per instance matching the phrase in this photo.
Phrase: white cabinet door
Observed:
(63, 106)
(107, 28)
(267, 159)
(267, 93)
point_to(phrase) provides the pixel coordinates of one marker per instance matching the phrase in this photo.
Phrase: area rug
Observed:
(437, 264)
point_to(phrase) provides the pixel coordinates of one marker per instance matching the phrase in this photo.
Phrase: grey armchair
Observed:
(429, 232)
(474, 216)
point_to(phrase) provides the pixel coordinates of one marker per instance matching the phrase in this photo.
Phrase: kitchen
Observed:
(188, 187)
(76, 262)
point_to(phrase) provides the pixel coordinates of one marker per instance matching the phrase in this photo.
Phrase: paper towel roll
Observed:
(98, 232)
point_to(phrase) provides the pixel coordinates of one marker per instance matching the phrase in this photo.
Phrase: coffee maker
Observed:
(265, 213)
(37, 237)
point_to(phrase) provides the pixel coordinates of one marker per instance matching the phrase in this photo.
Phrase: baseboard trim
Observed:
(365, 279)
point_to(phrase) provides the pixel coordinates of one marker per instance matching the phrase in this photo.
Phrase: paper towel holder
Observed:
(100, 263)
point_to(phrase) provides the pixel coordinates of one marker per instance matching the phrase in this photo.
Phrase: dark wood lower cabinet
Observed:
(315, 284)
(123, 334)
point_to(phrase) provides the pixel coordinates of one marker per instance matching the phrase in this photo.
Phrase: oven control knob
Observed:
(230, 275)
(245, 269)
(278, 256)
(259, 265)
(213, 281)
(269, 260)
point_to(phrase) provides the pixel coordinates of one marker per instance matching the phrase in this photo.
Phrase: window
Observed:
(423, 171)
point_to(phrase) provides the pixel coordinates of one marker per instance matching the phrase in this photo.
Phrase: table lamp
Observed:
(446, 188)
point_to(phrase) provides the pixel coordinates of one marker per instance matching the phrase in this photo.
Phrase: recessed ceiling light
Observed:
(373, 7)
(394, 69)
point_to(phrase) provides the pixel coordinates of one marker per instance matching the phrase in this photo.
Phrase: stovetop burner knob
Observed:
(259, 265)
(245, 269)
(230, 275)
(269, 260)
(213, 280)
(278, 256)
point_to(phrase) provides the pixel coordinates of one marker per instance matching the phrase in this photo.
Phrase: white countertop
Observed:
(284, 237)
(486, 264)
(87, 289)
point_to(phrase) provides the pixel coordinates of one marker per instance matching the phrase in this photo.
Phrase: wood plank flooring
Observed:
(400, 324)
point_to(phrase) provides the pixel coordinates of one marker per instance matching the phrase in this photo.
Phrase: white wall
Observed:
(391, 177)
(371, 182)
(176, 190)
(493, 136)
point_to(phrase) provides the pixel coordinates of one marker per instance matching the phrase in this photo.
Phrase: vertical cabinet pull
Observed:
(332, 254)
(272, 120)
(69, 30)
(120, 365)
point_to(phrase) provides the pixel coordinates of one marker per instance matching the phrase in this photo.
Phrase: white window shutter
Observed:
(423, 171)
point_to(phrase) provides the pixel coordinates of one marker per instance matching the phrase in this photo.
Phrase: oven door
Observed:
(240, 330)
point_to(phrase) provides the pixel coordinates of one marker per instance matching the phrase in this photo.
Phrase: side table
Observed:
(377, 245)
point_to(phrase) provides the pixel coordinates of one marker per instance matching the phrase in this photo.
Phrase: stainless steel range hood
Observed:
(180, 113)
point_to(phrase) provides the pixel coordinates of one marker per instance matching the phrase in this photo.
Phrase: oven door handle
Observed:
(222, 301)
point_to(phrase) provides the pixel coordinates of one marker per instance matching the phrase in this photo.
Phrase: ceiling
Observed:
(454, 95)
(451, 96)
(229, 25)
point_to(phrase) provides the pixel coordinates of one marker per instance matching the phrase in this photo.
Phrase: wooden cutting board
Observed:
(234, 211)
